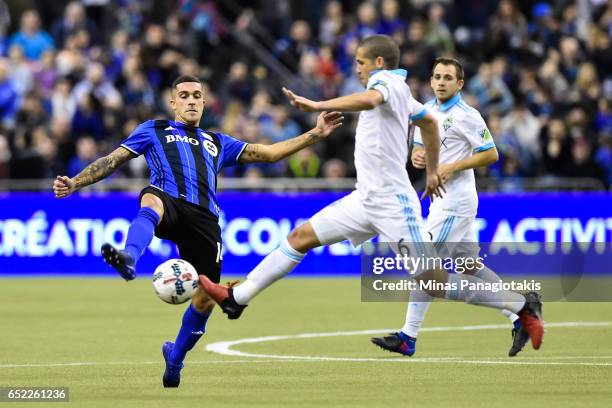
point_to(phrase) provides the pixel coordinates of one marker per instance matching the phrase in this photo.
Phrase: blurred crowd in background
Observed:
(77, 77)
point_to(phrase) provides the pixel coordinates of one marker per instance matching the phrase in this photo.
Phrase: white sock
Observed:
(277, 264)
(418, 303)
(488, 275)
(502, 299)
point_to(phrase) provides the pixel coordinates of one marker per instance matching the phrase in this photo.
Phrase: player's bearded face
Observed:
(364, 66)
(188, 103)
(444, 82)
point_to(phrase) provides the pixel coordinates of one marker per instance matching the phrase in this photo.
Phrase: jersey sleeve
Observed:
(477, 133)
(231, 149)
(141, 138)
(377, 82)
(417, 110)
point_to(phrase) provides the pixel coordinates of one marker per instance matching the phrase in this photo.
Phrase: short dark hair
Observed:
(449, 61)
(185, 78)
(381, 46)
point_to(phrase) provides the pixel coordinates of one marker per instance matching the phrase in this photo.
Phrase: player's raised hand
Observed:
(327, 122)
(300, 102)
(433, 187)
(418, 159)
(63, 186)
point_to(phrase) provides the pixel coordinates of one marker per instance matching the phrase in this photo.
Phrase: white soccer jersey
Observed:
(381, 140)
(463, 132)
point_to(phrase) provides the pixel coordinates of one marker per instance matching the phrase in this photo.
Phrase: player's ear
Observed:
(379, 62)
(460, 84)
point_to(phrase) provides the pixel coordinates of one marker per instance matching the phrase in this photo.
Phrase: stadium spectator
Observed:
(5, 157)
(45, 74)
(438, 34)
(332, 23)
(368, 22)
(73, 21)
(416, 55)
(9, 97)
(491, 92)
(289, 50)
(583, 163)
(31, 38)
(391, 22)
(281, 127)
(334, 169)
(19, 70)
(239, 85)
(525, 127)
(603, 157)
(96, 84)
(507, 29)
(63, 103)
(87, 119)
(556, 147)
(86, 152)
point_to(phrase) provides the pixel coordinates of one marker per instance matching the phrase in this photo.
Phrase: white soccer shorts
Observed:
(395, 217)
(452, 235)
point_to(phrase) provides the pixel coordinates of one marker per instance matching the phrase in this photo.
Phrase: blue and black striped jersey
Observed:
(184, 160)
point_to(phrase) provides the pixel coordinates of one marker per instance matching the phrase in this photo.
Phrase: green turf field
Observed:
(102, 338)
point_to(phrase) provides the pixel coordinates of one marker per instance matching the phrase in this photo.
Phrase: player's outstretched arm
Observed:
(356, 102)
(327, 122)
(431, 140)
(64, 186)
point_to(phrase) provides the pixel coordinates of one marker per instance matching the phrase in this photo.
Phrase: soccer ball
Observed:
(175, 281)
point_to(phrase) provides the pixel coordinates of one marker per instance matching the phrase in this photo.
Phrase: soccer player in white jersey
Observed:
(384, 202)
(466, 143)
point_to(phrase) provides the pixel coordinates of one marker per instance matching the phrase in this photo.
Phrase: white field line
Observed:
(224, 348)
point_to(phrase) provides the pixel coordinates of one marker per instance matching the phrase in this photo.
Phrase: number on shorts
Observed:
(219, 255)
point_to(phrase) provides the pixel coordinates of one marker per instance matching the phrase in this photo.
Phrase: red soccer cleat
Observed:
(223, 296)
(531, 319)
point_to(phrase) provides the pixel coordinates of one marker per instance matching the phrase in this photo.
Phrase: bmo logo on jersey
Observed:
(184, 139)
(208, 145)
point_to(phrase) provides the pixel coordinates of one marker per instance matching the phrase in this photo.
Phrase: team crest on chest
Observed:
(211, 148)
(448, 122)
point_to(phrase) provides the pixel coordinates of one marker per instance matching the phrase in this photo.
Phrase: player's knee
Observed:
(430, 281)
(303, 238)
(153, 202)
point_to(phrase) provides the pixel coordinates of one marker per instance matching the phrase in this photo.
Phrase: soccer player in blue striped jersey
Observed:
(180, 204)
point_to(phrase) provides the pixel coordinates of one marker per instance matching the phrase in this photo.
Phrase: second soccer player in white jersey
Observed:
(465, 144)
(384, 202)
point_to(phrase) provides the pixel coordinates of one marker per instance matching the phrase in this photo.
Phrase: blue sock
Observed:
(405, 337)
(517, 324)
(141, 232)
(193, 327)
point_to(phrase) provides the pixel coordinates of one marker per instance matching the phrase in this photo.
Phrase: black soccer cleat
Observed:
(520, 337)
(531, 318)
(223, 296)
(397, 343)
(120, 260)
